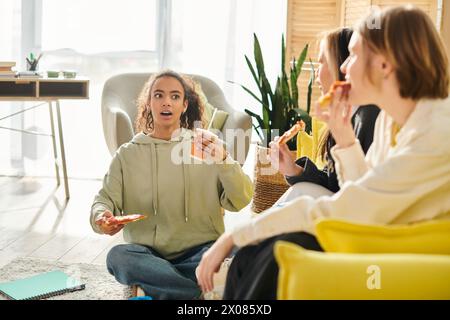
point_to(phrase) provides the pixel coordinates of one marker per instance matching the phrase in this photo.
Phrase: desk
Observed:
(49, 91)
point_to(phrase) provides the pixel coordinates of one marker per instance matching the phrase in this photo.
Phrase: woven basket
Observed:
(269, 183)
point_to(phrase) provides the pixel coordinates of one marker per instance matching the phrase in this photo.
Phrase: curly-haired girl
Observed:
(183, 201)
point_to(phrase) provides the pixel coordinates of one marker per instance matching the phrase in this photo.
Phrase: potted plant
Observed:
(280, 110)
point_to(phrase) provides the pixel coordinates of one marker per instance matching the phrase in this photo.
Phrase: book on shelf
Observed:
(29, 74)
(10, 74)
(7, 64)
(6, 70)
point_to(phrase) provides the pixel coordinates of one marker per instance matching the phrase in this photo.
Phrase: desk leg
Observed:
(55, 149)
(63, 153)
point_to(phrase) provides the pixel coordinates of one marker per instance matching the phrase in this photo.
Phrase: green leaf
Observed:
(278, 96)
(283, 54)
(310, 83)
(295, 73)
(262, 125)
(257, 132)
(294, 90)
(251, 113)
(279, 108)
(284, 77)
(264, 101)
(301, 60)
(252, 94)
(266, 91)
(258, 118)
(286, 98)
(258, 56)
(252, 70)
(267, 87)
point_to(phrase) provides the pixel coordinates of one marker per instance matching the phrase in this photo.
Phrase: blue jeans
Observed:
(133, 264)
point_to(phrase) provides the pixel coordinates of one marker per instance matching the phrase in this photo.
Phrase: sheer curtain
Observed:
(211, 38)
(101, 38)
(98, 39)
(11, 160)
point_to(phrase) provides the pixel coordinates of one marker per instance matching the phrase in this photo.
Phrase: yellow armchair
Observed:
(430, 237)
(368, 262)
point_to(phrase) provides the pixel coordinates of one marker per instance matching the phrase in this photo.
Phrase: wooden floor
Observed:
(35, 221)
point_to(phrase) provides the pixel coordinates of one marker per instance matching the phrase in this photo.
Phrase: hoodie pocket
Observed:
(217, 224)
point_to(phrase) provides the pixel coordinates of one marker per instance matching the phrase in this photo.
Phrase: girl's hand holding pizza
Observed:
(209, 146)
(106, 223)
(338, 116)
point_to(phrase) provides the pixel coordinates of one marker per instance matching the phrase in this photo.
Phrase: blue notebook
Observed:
(41, 286)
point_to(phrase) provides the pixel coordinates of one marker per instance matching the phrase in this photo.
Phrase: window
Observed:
(99, 26)
(98, 39)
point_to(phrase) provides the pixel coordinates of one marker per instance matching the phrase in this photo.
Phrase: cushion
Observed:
(308, 145)
(432, 237)
(220, 117)
(305, 274)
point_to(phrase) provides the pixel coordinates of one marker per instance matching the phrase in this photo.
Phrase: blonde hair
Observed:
(409, 40)
(336, 52)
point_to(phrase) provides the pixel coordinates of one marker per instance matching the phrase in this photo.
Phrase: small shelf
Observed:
(43, 89)
(18, 89)
(63, 90)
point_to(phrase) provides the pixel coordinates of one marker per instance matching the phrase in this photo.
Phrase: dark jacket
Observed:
(363, 122)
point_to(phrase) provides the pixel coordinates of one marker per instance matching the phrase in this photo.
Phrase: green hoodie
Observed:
(182, 201)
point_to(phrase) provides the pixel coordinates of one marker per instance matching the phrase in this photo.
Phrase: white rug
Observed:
(100, 285)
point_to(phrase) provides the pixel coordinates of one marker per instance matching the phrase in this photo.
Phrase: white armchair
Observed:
(119, 111)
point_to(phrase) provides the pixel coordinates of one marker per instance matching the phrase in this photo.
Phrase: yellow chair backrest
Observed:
(308, 145)
(429, 237)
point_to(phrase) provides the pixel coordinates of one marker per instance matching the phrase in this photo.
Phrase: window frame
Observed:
(32, 27)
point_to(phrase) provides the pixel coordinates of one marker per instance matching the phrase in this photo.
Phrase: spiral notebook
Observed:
(41, 286)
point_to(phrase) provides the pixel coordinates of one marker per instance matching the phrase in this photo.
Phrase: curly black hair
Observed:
(194, 111)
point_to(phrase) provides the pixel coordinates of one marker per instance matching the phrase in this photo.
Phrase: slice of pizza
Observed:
(288, 135)
(195, 153)
(126, 219)
(325, 100)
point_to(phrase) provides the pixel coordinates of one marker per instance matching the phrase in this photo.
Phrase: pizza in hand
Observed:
(288, 135)
(325, 100)
(126, 219)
